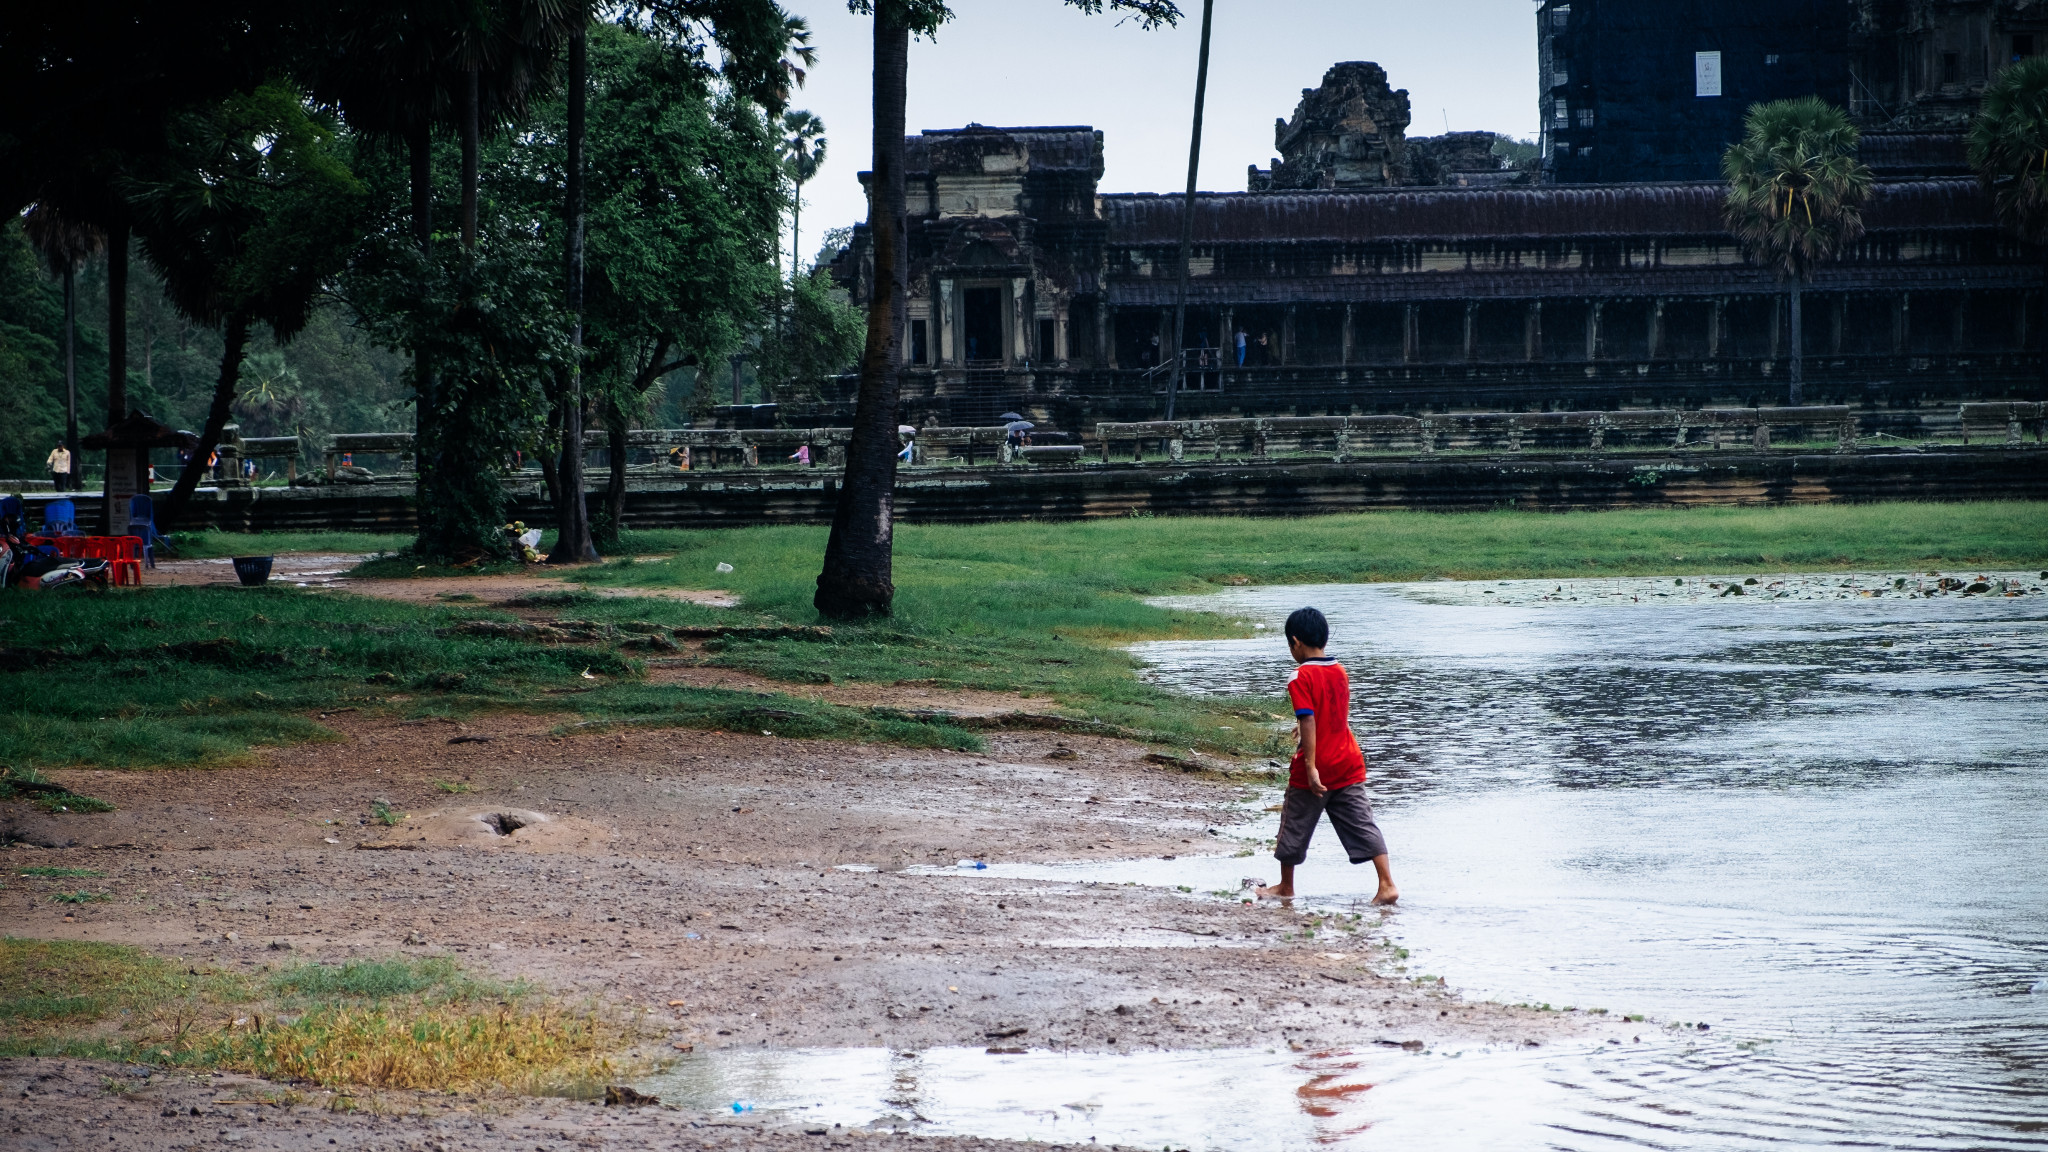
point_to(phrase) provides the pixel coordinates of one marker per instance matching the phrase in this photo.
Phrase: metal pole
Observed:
(1187, 215)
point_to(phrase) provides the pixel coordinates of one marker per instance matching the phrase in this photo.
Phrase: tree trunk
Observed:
(796, 234)
(1187, 217)
(1798, 372)
(857, 579)
(216, 420)
(469, 148)
(117, 324)
(550, 463)
(572, 514)
(72, 480)
(615, 487)
(420, 156)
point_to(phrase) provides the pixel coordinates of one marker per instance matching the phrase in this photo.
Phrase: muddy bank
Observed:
(737, 890)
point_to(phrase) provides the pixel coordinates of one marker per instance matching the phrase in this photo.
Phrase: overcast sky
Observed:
(1470, 64)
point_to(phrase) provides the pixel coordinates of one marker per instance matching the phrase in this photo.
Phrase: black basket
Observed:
(253, 570)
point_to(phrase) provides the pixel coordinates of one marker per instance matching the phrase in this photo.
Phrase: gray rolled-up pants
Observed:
(1350, 814)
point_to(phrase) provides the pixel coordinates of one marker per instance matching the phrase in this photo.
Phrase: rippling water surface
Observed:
(1818, 825)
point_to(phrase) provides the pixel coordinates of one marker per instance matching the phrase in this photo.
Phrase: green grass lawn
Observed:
(199, 675)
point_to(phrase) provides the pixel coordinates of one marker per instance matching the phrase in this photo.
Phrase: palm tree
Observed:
(1795, 195)
(2008, 144)
(64, 244)
(802, 151)
(857, 577)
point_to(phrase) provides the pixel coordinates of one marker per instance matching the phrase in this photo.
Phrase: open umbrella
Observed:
(1010, 416)
(1019, 426)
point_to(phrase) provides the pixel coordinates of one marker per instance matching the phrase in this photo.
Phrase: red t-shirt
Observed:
(1320, 688)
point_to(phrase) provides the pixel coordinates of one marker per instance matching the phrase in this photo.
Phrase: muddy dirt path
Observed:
(772, 886)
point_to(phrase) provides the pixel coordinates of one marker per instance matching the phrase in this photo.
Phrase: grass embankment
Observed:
(1040, 607)
(197, 676)
(398, 1023)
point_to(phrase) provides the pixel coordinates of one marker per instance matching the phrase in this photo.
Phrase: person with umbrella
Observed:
(909, 434)
(1017, 433)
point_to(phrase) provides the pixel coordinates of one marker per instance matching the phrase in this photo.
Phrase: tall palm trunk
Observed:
(857, 579)
(71, 479)
(420, 156)
(117, 324)
(469, 164)
(1798, 372)
(572, 513)
(216, 420)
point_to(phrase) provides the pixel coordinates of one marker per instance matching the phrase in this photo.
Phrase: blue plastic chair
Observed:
(13, 515)
(60, 518)
(142, 513)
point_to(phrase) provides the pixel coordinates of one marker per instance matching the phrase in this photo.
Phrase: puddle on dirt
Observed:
(1244, 1100)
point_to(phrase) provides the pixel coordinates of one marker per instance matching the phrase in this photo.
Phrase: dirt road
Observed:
(774, 887)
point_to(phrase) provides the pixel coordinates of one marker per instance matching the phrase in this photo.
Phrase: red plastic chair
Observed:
(123, 555)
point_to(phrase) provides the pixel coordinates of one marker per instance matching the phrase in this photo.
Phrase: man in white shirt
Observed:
(60, 467)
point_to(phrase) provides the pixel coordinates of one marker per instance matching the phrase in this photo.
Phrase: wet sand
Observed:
(779, 888)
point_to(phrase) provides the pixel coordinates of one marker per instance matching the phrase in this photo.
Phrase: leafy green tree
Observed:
(1795, 196)
(2008, 148)
(821, 339)
(246, 217)
(684, 192)
(857, 578)
(31, 367)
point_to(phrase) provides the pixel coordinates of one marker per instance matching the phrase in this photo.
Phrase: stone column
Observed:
(1716, 321)
(942, 320)
(1959, 323)
(1287, 335)
(1410, 334)
(1063, 345)
(1350, 314)
(1837, 316)
(1779, 303)
(1105, 333)
(1471, 329)
(1593, 330)
(1532, 332)
(1020, 321)
(1656, 333)
(1902, 323)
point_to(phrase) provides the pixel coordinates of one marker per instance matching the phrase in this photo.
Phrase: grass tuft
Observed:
(420, 1024)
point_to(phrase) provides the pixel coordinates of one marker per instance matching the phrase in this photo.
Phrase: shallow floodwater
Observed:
(1819, 824)
(1813, 817)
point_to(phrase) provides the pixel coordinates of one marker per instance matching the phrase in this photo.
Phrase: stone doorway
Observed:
(982, 325)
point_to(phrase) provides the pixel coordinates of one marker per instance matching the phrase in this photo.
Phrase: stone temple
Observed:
(1372, 272)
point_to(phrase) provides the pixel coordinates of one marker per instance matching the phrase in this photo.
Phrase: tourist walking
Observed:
(60, 467)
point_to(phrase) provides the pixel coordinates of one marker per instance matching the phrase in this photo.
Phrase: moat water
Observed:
(1813, 817)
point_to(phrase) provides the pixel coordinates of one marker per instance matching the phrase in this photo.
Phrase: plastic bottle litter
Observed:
(972, 864)
(739, 1106)
(724, 567)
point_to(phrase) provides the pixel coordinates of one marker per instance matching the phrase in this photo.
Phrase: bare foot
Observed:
(1281, 891)
(1388, 894)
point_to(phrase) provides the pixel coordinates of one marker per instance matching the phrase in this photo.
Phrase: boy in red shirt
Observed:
(1328, 772)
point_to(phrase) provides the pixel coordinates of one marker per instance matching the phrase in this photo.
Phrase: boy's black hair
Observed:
(1308, 626)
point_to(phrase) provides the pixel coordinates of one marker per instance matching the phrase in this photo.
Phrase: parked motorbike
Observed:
(40, 568)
